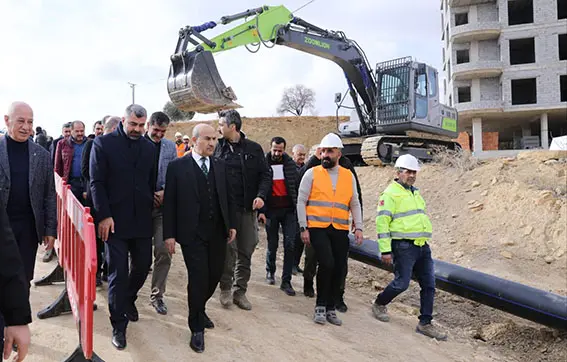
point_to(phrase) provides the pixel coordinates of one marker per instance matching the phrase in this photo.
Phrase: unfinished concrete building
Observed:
(505, 66)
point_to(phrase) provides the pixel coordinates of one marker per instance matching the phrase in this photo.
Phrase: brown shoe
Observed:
(241, 301)
(432, 331)
(226, 298)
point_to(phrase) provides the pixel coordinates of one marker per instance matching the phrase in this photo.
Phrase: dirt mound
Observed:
(305, 130)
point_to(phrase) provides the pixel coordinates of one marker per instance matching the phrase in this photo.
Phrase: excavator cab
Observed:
(194, 83)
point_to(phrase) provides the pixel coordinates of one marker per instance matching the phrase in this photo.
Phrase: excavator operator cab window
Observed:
(421, 92)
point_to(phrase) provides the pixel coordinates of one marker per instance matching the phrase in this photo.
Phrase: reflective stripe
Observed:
(384, 236)
(328, 204)
(385, 212)
(327, 219)
(407, 213)
(410, 235)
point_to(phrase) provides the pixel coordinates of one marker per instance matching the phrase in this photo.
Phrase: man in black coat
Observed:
(122, 174)
(14, 301)
(199, 214)
(280, 209)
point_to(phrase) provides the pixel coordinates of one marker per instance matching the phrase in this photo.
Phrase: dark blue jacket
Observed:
(122, 181)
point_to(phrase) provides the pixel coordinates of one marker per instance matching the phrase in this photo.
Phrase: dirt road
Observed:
(279, 328)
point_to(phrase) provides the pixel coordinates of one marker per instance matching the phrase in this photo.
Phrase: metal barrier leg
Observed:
(78, 356)
(56, 275)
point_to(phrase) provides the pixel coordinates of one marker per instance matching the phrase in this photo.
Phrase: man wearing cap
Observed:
(404, 230)
(327, 195)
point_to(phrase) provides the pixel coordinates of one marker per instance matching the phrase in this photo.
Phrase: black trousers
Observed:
(204, 259)
(25, 233)
(331, 250)
(124, 283)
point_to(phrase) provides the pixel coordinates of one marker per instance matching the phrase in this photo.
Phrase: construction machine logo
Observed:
(317, 43)
(449, 124)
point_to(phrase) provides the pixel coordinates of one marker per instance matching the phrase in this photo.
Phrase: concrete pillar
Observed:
(477, 135)
(475, 90)
(544, 132)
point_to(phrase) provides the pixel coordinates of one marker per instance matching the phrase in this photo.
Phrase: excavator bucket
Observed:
(194, 84)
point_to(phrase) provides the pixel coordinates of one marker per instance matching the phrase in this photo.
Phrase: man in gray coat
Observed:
(165, 153)
(27, 188)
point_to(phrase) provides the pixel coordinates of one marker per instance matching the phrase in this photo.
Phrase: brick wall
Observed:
(489, 141)
(463, 140)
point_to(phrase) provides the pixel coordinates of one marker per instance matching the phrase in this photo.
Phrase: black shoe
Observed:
(308, 288)
(270, 279)
(132, 313)
(104, 278)
(98, 281)
(198, 342)
(119, 340)
(287, 288)
(159, 306)
(208, 322)
(299, 270)
(341, 306)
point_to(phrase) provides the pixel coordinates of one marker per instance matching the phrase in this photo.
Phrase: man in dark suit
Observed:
(199, 214)
(14, 301)
(122, 187)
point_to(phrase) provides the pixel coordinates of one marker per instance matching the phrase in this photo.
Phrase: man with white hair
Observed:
(327, 195)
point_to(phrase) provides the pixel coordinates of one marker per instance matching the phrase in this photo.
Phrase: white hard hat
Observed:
(331, 140)
(408, 162)
(178, 134)
(186, 137)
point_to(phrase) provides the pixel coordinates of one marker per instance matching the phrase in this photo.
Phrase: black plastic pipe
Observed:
(518, 299)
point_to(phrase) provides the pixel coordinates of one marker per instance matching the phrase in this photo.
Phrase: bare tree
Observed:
(175, 114)
(297, 99)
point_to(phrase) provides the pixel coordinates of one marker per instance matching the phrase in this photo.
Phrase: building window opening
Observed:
(524, 91)
(563, 87)
(561, 9)
(461, 19)
(463, 56)
(520, 12)
(522, 51)
(464, 94)
(562, 40)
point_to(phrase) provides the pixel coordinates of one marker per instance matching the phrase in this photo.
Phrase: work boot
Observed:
(48, 255)
(341, 306)
(380, 312)
(432, 331)
(225, 298)
(333, 319)
(270, 278)
(287, 288)
(320, 315)
(241, 301)
(308, 288)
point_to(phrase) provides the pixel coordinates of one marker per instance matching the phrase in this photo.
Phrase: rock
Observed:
(492, 331)
(541, 156)
(484, 193)
(475, 184)
(456, 299)
(544, 196)
(472, 202)
(507, 242)
(559, 253)
(467, 190)
(454, 216)
(507, 254)
(376, 285)
(548, 259)
(558, 191)
(458, 254)
(494, 181)
(476, 206)
(551, 162)
(452, 241)
(528, 230)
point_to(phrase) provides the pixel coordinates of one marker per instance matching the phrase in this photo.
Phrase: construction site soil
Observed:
(505, 217)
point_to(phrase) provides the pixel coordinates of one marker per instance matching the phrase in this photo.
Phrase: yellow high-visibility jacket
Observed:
(401, 215)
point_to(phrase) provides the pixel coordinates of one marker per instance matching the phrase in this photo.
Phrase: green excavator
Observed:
(396, 105)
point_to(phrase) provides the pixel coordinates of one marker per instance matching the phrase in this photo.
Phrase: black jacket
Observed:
(181, 199)
(291, 175)
(14, 302)
(122, 181)
(85, 170)
(255, 170)
(343, 161)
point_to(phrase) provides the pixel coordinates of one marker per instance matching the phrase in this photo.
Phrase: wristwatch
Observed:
(302, 229)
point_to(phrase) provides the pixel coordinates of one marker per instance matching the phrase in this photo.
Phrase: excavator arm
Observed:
(194, 83)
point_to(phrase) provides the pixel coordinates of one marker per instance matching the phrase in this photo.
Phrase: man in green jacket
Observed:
(404, 231)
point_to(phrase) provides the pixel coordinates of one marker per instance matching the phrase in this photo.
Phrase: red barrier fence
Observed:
(76, 250)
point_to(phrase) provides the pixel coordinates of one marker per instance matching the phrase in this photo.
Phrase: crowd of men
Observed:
(209, 194)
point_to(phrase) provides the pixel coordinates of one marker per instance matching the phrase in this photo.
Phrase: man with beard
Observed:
(199, 214)
(68, 156)
(280, 210)
(404, 231)
(327, 194)
(123, 185)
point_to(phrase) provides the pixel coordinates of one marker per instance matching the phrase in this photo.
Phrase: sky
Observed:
(72, 60)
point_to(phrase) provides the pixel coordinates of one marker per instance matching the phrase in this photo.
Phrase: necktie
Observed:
(204, 166)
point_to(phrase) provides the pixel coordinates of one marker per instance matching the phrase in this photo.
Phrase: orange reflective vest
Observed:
(180, 149)
(327, 207)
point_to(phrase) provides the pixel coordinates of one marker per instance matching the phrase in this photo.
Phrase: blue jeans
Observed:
(287, 219)
(409, 258)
